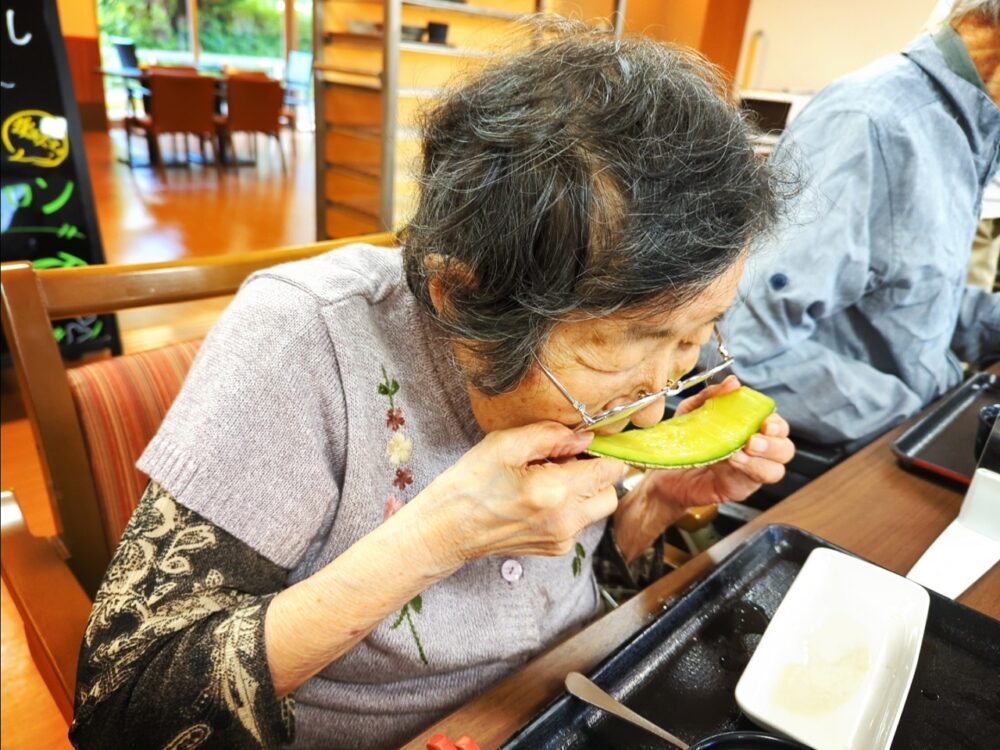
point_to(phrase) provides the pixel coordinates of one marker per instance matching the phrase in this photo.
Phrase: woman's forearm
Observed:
(319, 619)
(640, 519)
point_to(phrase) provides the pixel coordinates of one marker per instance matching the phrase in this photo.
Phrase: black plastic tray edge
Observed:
(773, 530)
(903, 446)
(770, 530)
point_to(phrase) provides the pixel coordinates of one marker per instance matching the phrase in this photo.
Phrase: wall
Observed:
(808, 44)
(681, 23)
(78, 19)
(713, 27)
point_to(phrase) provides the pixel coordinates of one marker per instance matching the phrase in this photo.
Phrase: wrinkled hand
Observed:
(761, 461)
(520, 491)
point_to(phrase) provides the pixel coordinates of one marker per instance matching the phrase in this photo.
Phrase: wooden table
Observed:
(868, 504)
(142, 76)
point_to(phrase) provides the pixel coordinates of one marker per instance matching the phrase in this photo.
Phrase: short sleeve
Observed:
(254, 440)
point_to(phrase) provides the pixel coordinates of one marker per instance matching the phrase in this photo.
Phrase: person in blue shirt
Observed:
(856, 313)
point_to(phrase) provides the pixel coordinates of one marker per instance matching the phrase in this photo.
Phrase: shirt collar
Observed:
(957, 57)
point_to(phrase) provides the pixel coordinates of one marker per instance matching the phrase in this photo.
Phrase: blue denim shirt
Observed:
(853, 312)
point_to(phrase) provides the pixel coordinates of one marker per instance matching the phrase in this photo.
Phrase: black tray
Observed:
(943, 441)
(681, 671)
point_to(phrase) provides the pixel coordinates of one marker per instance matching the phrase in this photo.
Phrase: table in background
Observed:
(141, 75)
(867, 504)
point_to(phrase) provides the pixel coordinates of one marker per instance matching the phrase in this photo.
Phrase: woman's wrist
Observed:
(318, 619)
(642, 515)
(437, 531)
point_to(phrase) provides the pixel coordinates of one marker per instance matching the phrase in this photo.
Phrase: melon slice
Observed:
(712, 432)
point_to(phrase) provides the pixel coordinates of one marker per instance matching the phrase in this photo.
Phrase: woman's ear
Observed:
(445, 274)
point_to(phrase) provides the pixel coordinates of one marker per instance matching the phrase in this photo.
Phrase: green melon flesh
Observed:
(710, 433)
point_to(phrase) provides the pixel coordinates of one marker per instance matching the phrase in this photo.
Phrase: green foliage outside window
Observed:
(235, 27)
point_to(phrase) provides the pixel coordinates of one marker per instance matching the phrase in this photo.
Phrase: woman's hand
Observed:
(520, 491)
(663, 496)
(761, 461)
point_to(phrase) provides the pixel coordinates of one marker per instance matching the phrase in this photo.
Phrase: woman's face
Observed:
(612, 361)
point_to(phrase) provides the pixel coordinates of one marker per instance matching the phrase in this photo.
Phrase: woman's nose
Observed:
(686, 362)
(649, 415)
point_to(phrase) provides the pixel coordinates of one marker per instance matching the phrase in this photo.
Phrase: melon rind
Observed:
(712, 432)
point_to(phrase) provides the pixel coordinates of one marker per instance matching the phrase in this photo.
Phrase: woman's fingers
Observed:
(731, 383)
(757, 470)
(762, 460)
(536, 442)
(600, 505)
(779, 449)
(589, 477)
(775, 426)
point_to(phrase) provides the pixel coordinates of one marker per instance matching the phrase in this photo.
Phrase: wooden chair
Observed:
(253, 105)
(180, 101)
(297, 88)
(129, 60)
(90, 424)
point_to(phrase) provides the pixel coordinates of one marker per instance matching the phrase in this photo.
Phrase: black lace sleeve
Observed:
(173, 656)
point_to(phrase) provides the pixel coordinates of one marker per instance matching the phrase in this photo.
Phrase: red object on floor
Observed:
(441, 742)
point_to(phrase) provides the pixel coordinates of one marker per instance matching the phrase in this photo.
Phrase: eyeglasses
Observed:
(621, 412)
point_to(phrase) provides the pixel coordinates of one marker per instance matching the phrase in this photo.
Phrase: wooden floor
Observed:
(146, 216)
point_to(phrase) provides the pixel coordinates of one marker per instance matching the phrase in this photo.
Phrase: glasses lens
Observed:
(610, 420)
(713, 365)
(714, 362)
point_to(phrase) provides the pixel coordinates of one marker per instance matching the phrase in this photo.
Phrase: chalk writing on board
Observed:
(80, 329)
(62, 260)
(65, 231)
(22, 195)
(46, 200)
(21, 40)
(36, 137)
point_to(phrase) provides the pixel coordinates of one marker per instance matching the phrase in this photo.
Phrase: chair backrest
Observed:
(182, 102)
(120, 403)
(126, 52)
(248, 73)
(91, 426)
(298, 71)
(253, 104)
(172, 69)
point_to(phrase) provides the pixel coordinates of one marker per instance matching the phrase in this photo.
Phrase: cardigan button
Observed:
(511, 570)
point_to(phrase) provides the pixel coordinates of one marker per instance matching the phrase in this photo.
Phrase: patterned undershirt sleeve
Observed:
(173, 656)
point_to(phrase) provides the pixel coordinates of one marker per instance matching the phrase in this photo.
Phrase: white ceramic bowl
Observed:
(835, 664)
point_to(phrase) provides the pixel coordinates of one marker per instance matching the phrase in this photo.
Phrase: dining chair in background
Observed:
(90, 423)
(181, 102)
(128, 58)
(253, 105)
(297, 89)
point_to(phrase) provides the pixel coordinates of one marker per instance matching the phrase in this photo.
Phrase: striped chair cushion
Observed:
(121, 402)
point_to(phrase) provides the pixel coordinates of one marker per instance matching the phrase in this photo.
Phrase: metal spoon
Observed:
(588, 692)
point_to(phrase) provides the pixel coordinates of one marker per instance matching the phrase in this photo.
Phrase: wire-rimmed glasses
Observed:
(623, 411)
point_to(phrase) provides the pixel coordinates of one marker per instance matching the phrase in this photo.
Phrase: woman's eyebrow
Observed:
(637, 331)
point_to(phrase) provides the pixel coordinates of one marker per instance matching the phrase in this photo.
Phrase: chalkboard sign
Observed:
(47, 211)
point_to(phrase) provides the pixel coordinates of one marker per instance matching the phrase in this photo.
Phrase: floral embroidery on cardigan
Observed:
(392, 506)
(579, 554)
(399, 450)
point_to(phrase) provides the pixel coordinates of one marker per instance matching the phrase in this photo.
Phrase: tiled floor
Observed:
(145, 216)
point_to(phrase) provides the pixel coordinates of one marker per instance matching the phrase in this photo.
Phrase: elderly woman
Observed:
(367, 503)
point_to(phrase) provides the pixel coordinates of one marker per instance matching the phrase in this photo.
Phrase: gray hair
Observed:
(989, 10)
(577, 179)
